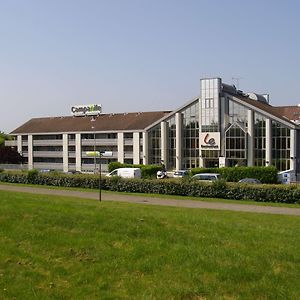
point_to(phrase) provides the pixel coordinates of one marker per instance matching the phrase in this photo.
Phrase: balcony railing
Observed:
(47, 142)
(48, 166)
(90, 168)
(11, 143)
(72, 167)
(71, 142)
(47, 154)
(14, 166)
(72, 154)
(128, 142)
(99, 142)
(114, 155)
(128, 155)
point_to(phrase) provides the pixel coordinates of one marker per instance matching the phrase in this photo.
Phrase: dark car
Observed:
(250, 181)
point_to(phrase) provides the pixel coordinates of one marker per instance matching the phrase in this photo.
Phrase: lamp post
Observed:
(100, 171)
(99, 154)
(93, 127)
(94, 132)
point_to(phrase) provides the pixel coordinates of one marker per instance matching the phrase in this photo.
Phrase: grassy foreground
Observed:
(64, 248)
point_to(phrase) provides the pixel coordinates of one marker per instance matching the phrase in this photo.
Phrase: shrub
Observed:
(115, 165)
(149, 171)
(234, 174)
(217, 189)
(31, 175)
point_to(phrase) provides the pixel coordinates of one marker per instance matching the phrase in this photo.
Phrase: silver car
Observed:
(180, 173)
(208, 177)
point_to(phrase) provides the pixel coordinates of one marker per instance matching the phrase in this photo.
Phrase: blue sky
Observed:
(141, 55)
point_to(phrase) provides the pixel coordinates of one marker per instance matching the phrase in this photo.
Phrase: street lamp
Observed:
(93, 128)
(99, 154)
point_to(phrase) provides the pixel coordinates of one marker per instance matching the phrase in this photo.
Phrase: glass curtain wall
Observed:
(209, 114)
(281, 146)
(236, 135)
(236, 146)
(190, 132)
(171, 125)
(210, 118)
(238, 113)
(259, 140)
(154, 142)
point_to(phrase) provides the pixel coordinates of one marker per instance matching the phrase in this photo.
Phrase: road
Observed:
(156, 201)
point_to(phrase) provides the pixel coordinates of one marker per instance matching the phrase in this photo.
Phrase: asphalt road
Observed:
(156, 201)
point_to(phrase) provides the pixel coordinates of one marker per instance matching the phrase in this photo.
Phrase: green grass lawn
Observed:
(63, 248)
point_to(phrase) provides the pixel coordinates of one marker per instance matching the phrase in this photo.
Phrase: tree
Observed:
(4, 137)
(8, 155)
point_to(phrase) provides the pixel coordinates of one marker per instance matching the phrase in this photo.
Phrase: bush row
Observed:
(234, 174)
(218, 189)
(148, 171)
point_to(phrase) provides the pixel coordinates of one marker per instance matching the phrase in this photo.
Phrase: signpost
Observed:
(99, 154)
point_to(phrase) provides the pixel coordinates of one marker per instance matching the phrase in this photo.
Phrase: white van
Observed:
(126, 173)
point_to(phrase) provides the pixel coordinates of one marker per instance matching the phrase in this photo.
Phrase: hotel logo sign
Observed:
(210, 140)
(86, 110)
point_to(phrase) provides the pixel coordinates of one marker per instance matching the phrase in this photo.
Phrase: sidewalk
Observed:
(156, 201)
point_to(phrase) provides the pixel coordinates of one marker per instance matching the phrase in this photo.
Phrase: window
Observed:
(281, 146)
(238, 113)
(47, 137)
(190, 133)
(53, 160)
(71, 160)
(48, 148)
(236, 145)
(171, 127)
(154, 136)
(259, 140)
(128, 135)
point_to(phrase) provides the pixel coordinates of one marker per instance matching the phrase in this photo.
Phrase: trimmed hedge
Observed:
(148, 171)
(217, 189)
(234, 174)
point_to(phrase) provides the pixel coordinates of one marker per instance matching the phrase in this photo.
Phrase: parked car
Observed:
(250, 181)
(209, 177)
(287, 176)
(180, 173)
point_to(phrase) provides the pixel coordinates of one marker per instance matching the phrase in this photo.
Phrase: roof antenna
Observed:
(236, 81)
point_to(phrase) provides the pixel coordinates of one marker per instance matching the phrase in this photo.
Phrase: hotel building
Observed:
(222, 127)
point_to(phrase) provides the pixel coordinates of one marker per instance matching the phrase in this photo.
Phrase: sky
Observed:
(141, 55)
